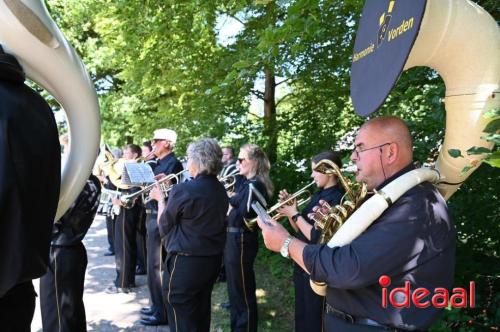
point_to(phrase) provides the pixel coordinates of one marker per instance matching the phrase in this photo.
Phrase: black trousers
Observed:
(141, 241)
(110, 227)
(239, 256)
(17, 307)
(61, 290)
(155, 261)
(308, 305)
(126, 246)
(187, 290)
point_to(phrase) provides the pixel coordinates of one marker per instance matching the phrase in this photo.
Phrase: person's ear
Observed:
(392, 153)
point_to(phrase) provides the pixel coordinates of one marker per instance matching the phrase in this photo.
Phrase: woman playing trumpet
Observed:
(241, 242)
(309, 305)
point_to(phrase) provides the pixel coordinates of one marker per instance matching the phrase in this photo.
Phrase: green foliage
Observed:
(491, 156)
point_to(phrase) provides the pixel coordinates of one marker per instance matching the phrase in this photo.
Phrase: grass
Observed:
(275, 295)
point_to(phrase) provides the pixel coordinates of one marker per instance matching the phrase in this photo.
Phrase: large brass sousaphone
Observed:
(458, 39)
(29, 34)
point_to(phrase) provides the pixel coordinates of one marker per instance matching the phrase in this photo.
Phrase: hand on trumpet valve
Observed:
(288, 210)
(283, 195)
(159, 176)
(274, 234)
(156, 193)
(319, 211)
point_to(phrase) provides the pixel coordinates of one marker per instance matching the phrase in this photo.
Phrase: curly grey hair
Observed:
(206, 155)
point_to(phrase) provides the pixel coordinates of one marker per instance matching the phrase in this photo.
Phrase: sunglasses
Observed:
(241, 160)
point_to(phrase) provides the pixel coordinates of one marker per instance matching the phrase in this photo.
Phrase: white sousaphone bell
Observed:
(461, 41)
(28, 33)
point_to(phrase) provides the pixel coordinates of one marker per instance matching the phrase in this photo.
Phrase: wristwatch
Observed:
(295, 217)
(284, 248)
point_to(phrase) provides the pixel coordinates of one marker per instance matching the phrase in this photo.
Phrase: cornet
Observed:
(165, 184)
(303, 196)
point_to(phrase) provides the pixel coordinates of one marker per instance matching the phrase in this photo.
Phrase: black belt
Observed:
(355, 320)
(237, 230)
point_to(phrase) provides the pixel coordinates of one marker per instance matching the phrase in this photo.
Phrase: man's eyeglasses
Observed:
(357, 152)
(157, 140)
(241, 160)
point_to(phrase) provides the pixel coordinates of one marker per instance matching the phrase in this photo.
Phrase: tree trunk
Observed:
(270, 131)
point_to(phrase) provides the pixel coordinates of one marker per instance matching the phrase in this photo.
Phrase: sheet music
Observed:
(137, 174)
(261, 212)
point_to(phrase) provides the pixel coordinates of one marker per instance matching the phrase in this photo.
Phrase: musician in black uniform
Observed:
(149, 158)
(242, 243)
(308, 304)
(30, 174)
(413, 240)
(228, 162)
(61, 289)
(125, 233)
(106, 209)
(166, 163)
(193, 227)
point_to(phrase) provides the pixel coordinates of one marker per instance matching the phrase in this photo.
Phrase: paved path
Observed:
(106, 312)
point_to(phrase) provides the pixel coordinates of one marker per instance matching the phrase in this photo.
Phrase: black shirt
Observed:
(74, 224)
(30, 176)
(240, 202)
(193, 221)
(332, 196)
(167, 165)
(414, 240)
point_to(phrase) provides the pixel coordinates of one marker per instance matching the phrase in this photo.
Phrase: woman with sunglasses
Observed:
(242, 242)
(309, 305)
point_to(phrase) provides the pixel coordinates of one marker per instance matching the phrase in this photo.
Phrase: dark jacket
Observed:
(241, 201)
(193, 222)
(74, 224)
(30, 176)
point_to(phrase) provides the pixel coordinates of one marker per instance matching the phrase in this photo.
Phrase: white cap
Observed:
(166, 134)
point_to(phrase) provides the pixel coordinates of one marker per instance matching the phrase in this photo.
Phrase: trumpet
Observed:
(148, 156)
(303, 196)
(165, 184)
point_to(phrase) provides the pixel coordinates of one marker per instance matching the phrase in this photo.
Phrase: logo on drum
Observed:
(404, 297)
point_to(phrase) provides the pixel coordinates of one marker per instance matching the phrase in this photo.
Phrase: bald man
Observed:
(411, 243)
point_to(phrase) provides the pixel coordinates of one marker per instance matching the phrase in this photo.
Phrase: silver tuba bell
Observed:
(29, 34)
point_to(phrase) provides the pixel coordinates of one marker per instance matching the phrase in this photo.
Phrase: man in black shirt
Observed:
(30, 176)
(126, 227)
(228, 162)
(193, 226)
(61, 289)
(413, 240)
(166, 163)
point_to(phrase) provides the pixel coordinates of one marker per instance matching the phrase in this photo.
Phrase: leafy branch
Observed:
(492, 158)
